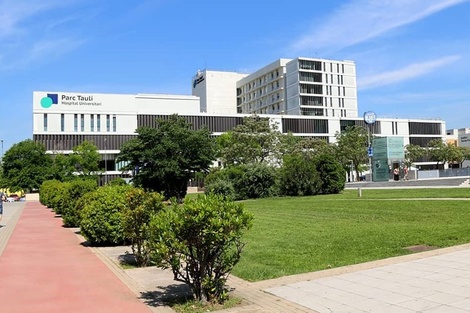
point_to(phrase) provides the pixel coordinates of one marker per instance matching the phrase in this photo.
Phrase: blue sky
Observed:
(412, 56)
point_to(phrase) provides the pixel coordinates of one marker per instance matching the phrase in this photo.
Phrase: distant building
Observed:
(308, 97)
(217, 91)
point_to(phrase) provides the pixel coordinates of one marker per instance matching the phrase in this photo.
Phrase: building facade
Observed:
(308, 97)
(301, 86)
(217, 91)
(63, 120)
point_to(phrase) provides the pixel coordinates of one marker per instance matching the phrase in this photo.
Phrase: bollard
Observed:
(359, 192)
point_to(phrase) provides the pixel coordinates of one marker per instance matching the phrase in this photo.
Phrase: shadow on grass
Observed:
(167, 295)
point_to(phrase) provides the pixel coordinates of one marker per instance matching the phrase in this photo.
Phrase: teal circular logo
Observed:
(46, 102)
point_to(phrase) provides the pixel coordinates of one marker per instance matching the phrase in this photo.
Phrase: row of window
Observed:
(79, 123)
(68, 142)
(260, 81)
(317, 66)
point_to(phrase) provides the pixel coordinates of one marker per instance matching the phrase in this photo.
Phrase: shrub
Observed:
(141, 206)
(249, 181)
(75, 190)
(117, 182)
(60, 197)
(47, 192)
(101, 218)
(201, 242)
(298, 176)
(257, 181)
(332, 174)
(221, 187)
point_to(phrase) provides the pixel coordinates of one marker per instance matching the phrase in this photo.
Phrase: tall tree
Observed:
(166, 157)
(352, 147)
(85, 158)
(413, 153)
(25, 166)
(253, 141)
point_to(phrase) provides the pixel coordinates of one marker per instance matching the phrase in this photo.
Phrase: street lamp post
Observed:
(369, 119)
(1, 160)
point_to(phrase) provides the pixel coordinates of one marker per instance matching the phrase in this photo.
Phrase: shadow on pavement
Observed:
(170, 294)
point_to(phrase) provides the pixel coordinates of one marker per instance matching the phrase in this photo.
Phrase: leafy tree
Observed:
(465, 153)
(253, 141)
(437, 151)
(166, 157)
(62, 167)
(25, 166)
(298, 176)
(332, 174)
(201, 241)
(140, 209)
(413, 153)
(85, 158)
(352, 147)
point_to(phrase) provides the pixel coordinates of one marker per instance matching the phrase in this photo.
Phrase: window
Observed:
(98, 122)
(45, 122)
(114, 123)
(92, 122)
(75, 122)
(62, 122)
(82, 122)
(108, 122)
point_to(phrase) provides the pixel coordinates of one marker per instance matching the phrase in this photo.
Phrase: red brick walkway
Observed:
(45, 269)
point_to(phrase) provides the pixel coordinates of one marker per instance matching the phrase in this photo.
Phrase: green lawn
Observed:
(304, 234)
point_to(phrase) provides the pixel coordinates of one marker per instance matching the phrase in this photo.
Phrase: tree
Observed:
(166, 157)
(437, 151)
(25, 166)
(85, 158)
(466, 154)
(141, 206)
(332, 174)
(62, 167)
(253, 141)
(298, 176)
(352, 147)
(413, 153)
(201, 241)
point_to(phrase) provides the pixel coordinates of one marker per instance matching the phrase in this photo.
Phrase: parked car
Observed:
(13, 197)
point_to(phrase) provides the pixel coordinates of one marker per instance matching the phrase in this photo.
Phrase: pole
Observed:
(370, 145)
(1, 160)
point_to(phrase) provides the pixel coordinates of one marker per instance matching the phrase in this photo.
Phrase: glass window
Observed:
(75, 122)
(45, 122)
(98, 122)
(108, 123)
(114, 123)
(62, 122)
(82, 122)
(92, 122)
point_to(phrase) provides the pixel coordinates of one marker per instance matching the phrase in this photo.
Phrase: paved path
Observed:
(45, 269)
(433, 281)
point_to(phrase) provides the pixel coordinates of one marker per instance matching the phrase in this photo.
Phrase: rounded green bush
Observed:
(221, 187)
(102, 218)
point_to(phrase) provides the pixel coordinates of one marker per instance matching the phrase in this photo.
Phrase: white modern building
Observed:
(217, 91)
(304, 96)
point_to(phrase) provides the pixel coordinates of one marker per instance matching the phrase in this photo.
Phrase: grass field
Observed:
(304, 234)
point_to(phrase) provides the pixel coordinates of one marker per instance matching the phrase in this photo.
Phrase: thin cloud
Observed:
(406, 73)
(13, 12)
(362, 20)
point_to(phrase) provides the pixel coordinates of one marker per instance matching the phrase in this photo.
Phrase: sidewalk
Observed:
(45, 269)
